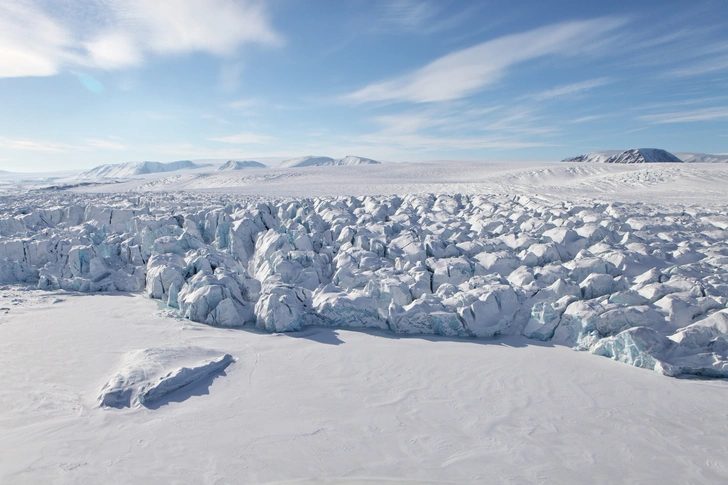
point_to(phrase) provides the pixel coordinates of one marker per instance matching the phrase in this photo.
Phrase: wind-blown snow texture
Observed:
(636, 155)
(640, 284)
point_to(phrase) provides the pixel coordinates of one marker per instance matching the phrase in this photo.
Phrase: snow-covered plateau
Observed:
(195, 322)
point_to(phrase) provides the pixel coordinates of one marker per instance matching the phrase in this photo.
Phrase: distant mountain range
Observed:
(239, 165)
(702, 158)
(646, 155)
(133, 169)
(312, 161)
(635, 155)
(130, 169)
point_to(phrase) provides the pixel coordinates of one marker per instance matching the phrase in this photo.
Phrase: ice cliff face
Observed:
(640, 284)
(130, 169)
(637, 155)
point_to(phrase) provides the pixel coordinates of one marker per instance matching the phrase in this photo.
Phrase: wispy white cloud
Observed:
(24, 144)
(674, 105)
(451, 127)
(41, 42)
(31, 43)
(705, 66)
(586, 119)
(704, 114)
(35, 145)
(470, 70)
(569, 89)
(244, 104)
(104, 144)
(425, 143)
(422, 17)
(243, 139)
(410, 14)
(229, 78)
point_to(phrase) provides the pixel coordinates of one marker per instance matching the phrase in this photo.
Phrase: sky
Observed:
(89, 82)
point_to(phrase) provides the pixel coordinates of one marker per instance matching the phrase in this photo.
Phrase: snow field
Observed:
(337, 404)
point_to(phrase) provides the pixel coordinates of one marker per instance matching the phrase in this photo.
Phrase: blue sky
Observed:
(103, 81)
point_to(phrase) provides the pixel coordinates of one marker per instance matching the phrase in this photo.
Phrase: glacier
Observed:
(639, 283)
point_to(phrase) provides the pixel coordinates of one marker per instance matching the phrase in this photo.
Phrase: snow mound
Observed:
(702, 158)
(312, 161)
(240, 165)
(131, 169)
(635, 155)
(148, 375)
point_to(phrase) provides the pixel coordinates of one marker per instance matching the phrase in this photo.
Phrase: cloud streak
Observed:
(243, 139)
(42, 42)
(36, 145)
(704, 114)
(465, 72)
(570, 89)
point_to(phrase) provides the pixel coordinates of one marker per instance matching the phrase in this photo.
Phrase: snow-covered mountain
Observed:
(306, 162)
(240, 165)
(130, 169)
(352, 160)
(635, 155)
(313, 161)
(702, 158)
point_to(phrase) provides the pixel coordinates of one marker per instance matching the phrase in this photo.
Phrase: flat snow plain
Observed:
(341, 405)
(666, 183)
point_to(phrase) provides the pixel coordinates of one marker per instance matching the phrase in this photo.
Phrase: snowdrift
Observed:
(641, 284)
(148, 375)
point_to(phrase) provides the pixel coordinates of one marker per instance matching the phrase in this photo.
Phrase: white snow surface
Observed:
(338, 404)
(635, 155)
(699, 184)
(453, 294)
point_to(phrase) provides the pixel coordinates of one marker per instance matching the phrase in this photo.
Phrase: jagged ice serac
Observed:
(644, 286)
